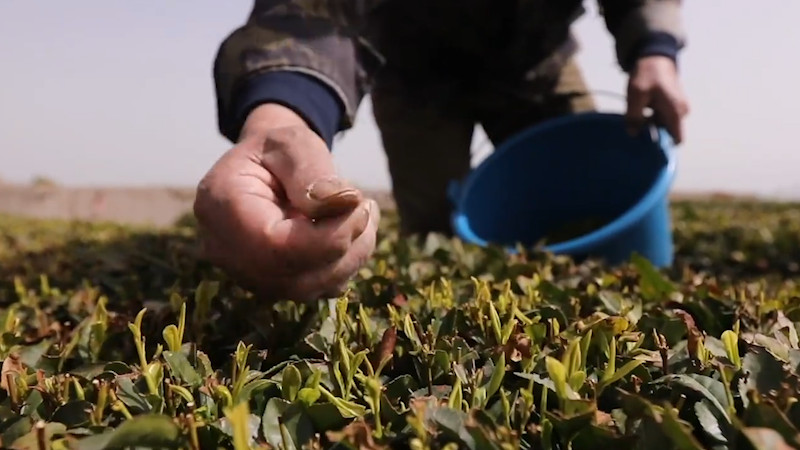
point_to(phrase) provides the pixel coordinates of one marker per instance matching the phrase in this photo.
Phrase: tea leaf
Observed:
(678, 432)
(182, 369)
(497, 376)
(239, 416)
(621, 373)
(292, 380)
(731, 342)
(153, 431)
(558, 374)
(651, 283)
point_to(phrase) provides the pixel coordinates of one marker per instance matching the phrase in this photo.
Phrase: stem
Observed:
(728, 393)
(12, 391)
(378, 424)
(102, 399)
(117, 405)
(41, 439)
(194, 441)
(430, 379)
(140, 351)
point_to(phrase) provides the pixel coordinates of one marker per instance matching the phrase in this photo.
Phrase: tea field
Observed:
(120, 337)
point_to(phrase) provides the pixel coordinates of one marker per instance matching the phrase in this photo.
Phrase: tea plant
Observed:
(116, 337)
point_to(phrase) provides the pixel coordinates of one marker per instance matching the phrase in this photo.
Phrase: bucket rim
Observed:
(581, 244)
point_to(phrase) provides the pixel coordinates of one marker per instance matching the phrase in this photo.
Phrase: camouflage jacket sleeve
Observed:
(309, 39)
(644, 27)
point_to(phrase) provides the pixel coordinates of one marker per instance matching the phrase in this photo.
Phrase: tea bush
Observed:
(116, 337)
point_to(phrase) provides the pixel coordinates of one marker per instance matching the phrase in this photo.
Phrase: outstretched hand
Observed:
(276, 217)
(654, 83)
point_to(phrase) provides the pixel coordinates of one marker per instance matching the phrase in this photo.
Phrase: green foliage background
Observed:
(114, 337)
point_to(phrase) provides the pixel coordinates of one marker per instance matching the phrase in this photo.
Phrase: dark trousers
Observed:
(427, 132)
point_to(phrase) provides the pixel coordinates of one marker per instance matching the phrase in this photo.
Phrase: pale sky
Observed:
(99, 92)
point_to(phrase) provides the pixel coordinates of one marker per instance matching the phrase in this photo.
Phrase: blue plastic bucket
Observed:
(569, 169)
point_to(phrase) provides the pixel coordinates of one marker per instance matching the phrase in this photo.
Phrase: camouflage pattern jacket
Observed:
(342, 43)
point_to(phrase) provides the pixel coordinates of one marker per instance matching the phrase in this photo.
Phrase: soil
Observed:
(155, 206)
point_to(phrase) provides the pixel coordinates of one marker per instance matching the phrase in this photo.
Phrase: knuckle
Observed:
(640, 86)
(685, 108)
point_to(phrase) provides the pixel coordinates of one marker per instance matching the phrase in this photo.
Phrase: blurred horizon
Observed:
(119, 94)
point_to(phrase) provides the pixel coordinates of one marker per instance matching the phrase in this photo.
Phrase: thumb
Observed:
(303, 166)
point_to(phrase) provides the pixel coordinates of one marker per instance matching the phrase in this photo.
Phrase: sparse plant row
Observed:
(437, 345)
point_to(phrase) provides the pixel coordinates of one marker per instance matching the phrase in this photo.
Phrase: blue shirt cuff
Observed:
(306, 96)
(656, 43)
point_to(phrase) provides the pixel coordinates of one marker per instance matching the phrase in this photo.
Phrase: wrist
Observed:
(268, 116)
(656, 44)
(655, 63)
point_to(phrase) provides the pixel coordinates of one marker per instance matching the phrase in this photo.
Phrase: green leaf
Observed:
(117, 367)
(270, 424)
(298, 424)
(73, 414)
(182, 392)
(767, 415)
(621, 373)
(308, 396)
(497, 376)
(205, 292)
(172, 337)
(731, 342)
(254, 387)
(131, 397)
(765, 372)
(238, 419)
(15, 428)
(495, 321)
(452, 424)
(326, 416)
(652, 284)
(290, 385)
(34, 356)
(568, 427)
(678, 431)
(576, 380)
(572, 357)
(701, 387)
(410, 331)
(181, 368)
(709, 422)
(154, 431)
(347, 408)
(456, 398)
(558, 374)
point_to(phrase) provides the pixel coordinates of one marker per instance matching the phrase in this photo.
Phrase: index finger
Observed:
(306, 244)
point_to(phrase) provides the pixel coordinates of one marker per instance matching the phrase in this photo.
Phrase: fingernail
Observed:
(327, 188)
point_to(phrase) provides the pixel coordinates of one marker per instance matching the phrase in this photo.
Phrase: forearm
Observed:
(287, 54)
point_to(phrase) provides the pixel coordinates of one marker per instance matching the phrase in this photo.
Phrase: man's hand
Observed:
(654, 83)
(274, 215)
